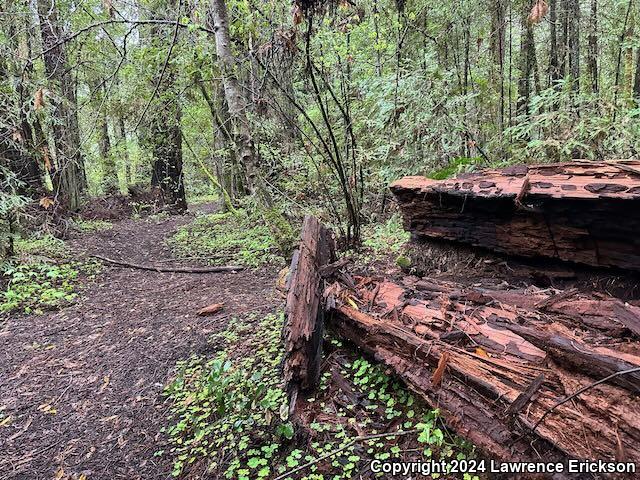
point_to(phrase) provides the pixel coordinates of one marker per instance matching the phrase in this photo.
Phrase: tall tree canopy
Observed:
(306, 104)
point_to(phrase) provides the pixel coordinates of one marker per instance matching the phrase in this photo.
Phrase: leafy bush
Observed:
(35, 287)
(227, 238)
(387, 237)
(45, 278)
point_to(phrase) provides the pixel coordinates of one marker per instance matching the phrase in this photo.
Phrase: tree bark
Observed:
(246, 153)
(592, 58)
(67, 174)
(526, 61)
(573, 43)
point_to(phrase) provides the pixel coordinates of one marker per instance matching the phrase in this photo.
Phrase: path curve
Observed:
(102, 363)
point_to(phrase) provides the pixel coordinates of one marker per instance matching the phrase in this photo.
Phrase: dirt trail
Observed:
(102, 363)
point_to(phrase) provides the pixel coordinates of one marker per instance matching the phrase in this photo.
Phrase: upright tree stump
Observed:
(303, 327)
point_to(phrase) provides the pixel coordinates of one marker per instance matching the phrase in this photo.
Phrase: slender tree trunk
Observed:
(526, 61)
(628, 60)
(241, 130)
(636, 83)
(498, 32)
(555, 73)
(573, 43)
(67, 175)
(109, 171)
(120, 132)
(592, 58)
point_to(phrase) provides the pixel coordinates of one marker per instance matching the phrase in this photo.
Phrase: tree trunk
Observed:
(636, 83)
(241, 130)
(592, 59)
(67, 174)
(554, 65)
(526, 61)
(109, 171)
(573, 43)
(166, 143)
(497, 48)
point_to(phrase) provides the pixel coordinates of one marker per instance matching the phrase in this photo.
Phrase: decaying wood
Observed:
(511, 356)
(151, 268)
(583, 212)
(303, 327)
(211, 309)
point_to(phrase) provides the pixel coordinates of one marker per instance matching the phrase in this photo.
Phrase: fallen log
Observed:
(303, 327)
(508, 366)
(582, 212)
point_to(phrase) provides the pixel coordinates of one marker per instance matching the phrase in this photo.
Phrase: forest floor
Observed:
(84, 384)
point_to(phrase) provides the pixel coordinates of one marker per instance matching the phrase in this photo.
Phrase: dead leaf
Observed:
(538, 12)
(46, 158)
(38, 101)
(105, 383)
(46, 202)
(439, 373)
(47, 408)
(59, 474)
(482, 352)
(211, 309)
(5, 421)
(16, 136)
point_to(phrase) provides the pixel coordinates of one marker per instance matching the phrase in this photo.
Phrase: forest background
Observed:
(282, 108)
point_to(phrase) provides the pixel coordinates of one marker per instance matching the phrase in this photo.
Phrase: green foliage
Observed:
(222, 238)
(386, 237)
(45, 245)
(563, 125)
(230, 411)
(454, 167)
(35, 287)
(45, 278)
(88, 226)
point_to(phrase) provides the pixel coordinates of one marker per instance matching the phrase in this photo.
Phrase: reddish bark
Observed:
(584, 212)
(511, 355)
(303, 327)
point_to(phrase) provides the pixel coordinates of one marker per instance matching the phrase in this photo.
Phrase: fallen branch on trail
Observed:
(151, 268)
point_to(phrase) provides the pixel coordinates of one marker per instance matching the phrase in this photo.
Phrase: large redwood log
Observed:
(303, 327)
(583, 212)
(508, 361)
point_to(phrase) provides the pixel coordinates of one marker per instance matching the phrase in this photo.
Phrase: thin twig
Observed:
(582, 390)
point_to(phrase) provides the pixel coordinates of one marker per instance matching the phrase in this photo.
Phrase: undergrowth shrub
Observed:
(41, 276)
(228, 415)
(228, 237)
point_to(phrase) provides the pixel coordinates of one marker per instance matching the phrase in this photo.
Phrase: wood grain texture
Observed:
(582, 212)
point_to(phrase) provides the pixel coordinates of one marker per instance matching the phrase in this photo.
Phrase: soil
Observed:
(84, 385)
